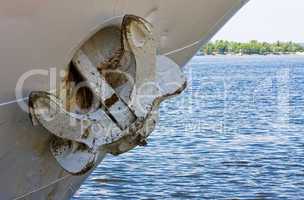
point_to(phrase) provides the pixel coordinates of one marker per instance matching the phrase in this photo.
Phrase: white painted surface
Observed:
(44, 34)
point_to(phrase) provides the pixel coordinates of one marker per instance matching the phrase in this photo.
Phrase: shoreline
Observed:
(251, 55)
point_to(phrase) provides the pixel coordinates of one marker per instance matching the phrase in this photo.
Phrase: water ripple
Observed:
(236, 133)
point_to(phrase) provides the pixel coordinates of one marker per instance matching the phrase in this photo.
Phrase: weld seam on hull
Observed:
(42, 188)
(213, 30)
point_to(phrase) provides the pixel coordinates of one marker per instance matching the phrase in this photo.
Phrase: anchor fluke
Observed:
(128, 84)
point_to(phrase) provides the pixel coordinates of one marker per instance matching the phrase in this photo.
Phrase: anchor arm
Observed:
(118, 125)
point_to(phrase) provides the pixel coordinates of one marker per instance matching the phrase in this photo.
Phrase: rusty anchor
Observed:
(126, 112)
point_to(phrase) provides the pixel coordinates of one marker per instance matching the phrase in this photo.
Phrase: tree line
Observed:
(252, 47)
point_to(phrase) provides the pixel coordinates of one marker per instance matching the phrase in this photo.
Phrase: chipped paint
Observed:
(124, 113)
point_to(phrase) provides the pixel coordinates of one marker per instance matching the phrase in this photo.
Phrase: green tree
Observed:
(252, 47)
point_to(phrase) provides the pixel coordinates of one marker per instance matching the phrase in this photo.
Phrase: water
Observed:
(236, 133)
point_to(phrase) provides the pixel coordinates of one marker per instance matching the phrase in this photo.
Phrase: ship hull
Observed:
(44, 35)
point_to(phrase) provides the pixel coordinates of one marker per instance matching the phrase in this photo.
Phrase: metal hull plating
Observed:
(46, 34)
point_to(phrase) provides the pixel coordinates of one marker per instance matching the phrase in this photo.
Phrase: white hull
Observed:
(46, 34)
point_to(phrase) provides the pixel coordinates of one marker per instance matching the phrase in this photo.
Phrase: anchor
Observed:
(126, 110)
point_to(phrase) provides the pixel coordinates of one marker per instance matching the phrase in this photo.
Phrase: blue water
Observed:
(237, 132)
